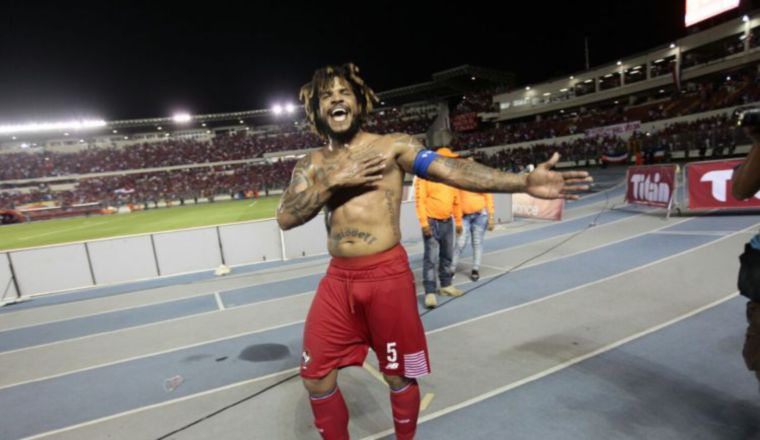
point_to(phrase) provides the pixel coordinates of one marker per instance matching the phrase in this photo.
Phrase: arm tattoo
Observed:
(472, 176)
(296, 208)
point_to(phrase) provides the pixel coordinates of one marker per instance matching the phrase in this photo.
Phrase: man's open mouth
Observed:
(339, 113)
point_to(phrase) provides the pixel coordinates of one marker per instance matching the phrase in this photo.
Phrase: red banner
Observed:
(465, 122)
(524, 205)
(710, 186)
(652, 185)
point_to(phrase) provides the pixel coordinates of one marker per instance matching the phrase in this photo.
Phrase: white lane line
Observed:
(500, 269)
(717, 233)
(425, 402)
(219, 301)
(558, 367)
(158, 405)
(374, 373)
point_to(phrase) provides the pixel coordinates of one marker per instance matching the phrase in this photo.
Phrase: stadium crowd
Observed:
(176, 186)
(239, 146)
(717, 92)
(710, 134)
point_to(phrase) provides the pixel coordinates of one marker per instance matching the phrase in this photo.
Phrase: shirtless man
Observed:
(368, 297)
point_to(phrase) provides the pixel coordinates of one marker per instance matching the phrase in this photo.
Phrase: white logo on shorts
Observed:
(305, 359)
(392, 366)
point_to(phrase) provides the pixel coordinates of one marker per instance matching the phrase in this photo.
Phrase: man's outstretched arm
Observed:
(472, 176)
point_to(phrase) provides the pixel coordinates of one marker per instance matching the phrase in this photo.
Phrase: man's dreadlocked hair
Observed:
(323, 78)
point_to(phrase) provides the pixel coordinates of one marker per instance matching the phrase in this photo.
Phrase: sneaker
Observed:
(451, 291)
(475, 275)
(430, 301)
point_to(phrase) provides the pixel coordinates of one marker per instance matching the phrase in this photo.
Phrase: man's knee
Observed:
(321, 385)
(396, 382)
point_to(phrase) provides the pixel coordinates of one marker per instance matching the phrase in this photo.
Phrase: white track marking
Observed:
(374, 373)
(219, 301)
(425, 402)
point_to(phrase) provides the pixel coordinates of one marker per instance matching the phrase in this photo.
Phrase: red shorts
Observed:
(363, 302)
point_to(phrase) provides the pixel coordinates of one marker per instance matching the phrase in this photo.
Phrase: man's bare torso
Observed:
(363, 220)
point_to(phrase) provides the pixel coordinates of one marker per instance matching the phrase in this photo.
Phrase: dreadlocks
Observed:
(322, 79)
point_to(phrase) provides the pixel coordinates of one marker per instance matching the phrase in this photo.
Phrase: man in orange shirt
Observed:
(436, 204)
(475, 212)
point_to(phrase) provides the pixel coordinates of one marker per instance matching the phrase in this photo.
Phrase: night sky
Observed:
(118, 60)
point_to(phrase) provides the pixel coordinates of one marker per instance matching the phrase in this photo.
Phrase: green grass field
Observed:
(154, 220)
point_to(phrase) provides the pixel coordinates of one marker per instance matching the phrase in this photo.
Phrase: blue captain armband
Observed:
(422, 163)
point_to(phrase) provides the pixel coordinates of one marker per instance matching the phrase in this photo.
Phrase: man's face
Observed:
(339, 110)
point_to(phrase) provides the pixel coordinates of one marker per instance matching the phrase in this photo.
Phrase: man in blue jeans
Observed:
(476, 211)
(436, 204)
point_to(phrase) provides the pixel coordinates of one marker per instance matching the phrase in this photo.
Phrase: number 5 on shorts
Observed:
(391, 350)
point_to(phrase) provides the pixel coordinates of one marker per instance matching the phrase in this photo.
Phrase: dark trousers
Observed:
(439, 250)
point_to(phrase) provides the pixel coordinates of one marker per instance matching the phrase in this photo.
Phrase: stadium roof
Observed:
(450, 82)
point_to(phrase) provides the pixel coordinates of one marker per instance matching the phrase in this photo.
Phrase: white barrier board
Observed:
(193, 250)
(251, 242)
(51, 269)
(122, 259)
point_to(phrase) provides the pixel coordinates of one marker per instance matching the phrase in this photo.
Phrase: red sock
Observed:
(405, 403)
(330, 415)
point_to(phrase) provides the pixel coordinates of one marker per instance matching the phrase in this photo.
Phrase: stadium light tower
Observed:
(290, 108)
(53, 126)
(182, 118)
(277, 109)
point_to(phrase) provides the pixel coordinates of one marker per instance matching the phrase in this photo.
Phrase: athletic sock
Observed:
(405, 403)
(330, 415)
